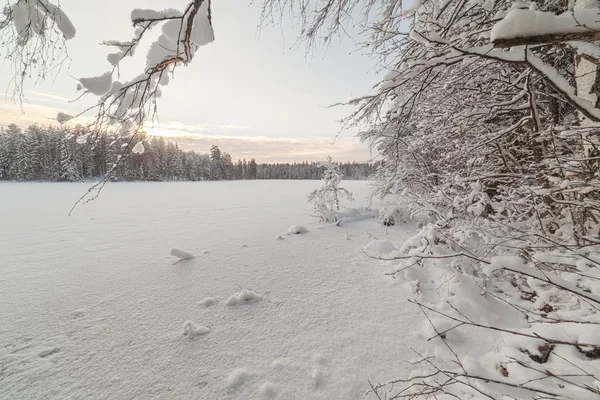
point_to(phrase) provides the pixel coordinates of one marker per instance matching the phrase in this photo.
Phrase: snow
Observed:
(296, 230)
(98, 85)
(520, 23)
(191, 329)
(207, 302)
(379, 247)
(244, 296)
(325, 306)
(184, 255)
(138, 148)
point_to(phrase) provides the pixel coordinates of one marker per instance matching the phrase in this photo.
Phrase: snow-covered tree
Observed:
(328, 198)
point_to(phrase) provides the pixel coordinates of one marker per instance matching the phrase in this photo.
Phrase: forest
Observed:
(59, 153)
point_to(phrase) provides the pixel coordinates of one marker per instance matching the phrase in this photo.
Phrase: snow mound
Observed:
(351, 214)
(191, 329)
(279, 237)
(297, 230)
(184, 255)
(207, 302)
(380, 247)
(245, 296)
(237, 377)
(267, 389)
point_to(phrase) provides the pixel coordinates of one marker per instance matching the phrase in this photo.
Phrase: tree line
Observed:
(68, 154)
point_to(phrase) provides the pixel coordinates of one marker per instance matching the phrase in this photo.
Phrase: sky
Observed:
(251, 92)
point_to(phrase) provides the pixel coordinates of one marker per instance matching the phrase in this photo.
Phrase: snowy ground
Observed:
(93, 306)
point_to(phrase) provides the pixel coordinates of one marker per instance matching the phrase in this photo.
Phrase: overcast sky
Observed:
(252, 93)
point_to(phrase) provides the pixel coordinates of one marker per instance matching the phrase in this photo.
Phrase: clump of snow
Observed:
(237, 377)
(191, 329)
(268, 390)
(244, 296)
(205, 252)
(184, 255)
(279, 237)
(63, 117)
(138, 148)
(82, 139)
(296, 230)
(98, 85)
(526, 22)
(243, 245)
(32, 16)
(207, 302)
(380, 247)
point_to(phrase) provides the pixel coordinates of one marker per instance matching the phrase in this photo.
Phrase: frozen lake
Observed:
(93, 306)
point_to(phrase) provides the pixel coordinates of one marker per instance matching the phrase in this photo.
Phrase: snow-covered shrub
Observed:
(392, 215)
(487, 120)
(328, 198)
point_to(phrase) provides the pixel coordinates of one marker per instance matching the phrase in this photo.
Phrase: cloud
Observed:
(237, 140)
(262, 148)
(11, 113)
(28, 114)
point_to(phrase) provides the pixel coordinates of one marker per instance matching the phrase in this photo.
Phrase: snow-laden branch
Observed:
(533, 27)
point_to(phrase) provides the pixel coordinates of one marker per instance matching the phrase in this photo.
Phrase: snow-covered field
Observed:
(94, 305)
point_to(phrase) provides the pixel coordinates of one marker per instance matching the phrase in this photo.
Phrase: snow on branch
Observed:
(533, 27)
(32, 39)
(125, 106)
